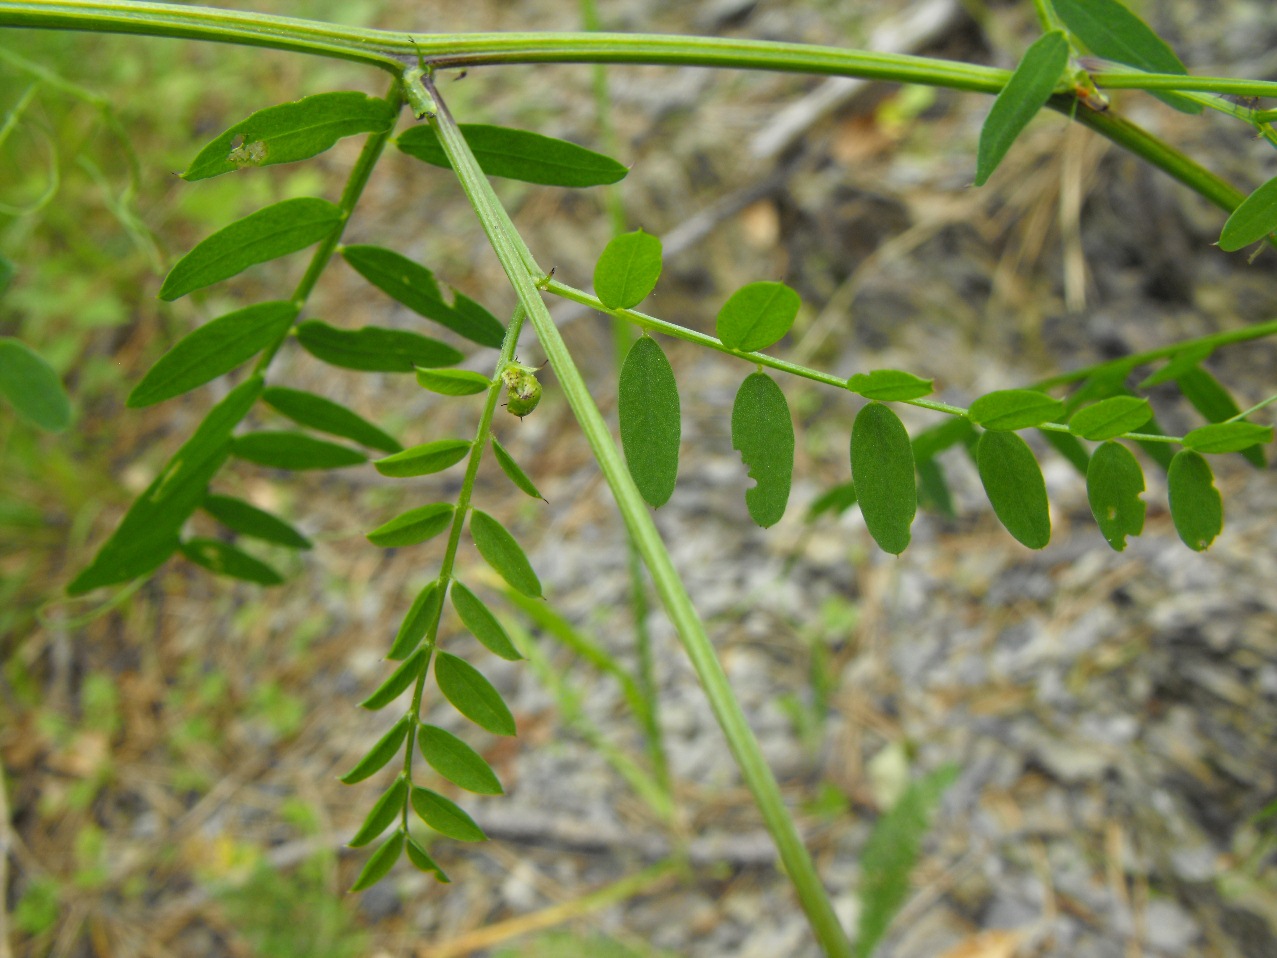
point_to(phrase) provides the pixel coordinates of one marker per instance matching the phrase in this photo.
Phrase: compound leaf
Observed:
(424, 459)
(290, 132)
(757, 315)
(293, 450)
(379, 755)
(327, 416)
(374, 348)
(387, 809)
(627, 269)
(212, 350)
(1114, 482)
(483, 625)
(513, 472)
(472, 695)
(1020, 100)
(1013, 482)
(148, 533)
(1196, 507)
(500, 551)
(764, 434)
(1011, 409)
(650, 419)
(456, 761)
(31, 385)
(882, 468)
(518, 155)
(265, 235)
(413, 527)
(223, 559)
(445, 816)
(1110, 418)
(890, 385)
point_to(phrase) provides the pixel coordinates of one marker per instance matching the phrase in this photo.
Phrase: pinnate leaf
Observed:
(627, 269)
(294, 450)
(31, 385)
(445, 816)
(472, 695)
(265, 235)
(414, 526)
(424, 459)
(379, 865)
(374, 348)
(513, 472)
(413, 285)
(1110, 418)
(148, 533)
(223, 559)
(764, 434)
(327, 416)
(890, 385)
(456, 761)
(1020, 100)
(215, 348)
(483, 625)
(500, 551)
(453, 382)
(1253, 220)
(757, 316)
(379, 755)
(650, 419)
(291, 131)
(1227, 437)
(1014, 409)
(518, 155)
(882, 468)
(1114, 482)
(248, 520)
(1196, 507)
(1013, 482)
(383, 813)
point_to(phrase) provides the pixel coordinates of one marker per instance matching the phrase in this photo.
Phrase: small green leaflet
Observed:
(1029, 87)
(472, 695)
(1253, 220)
(293, 450)
(421, 859)
(1013, 409)
(387, 809)
(445, 816)
(882, 469)
(513, 472)
(379, 865)
(31, 385)
(1227, 437)
(1179, 364)
(483, 625)
(265, 235)
(936, 439)
(452, 382)
(500, 551)
(836, 500)
(290, 132)
(1212, 400)
(764, 434)
(1013, 482)
(890, 385)
(148, 533)
(248, 520)
(518, 155)
(627, 270)
(1114, 482)
(402, 677)
(1110, 418)
(212, 350)
(1109, 30)
(425, 459)
(456, 761)
(414, 526)
(933, 488)
(327, 416)
(650, 418)
(222, 559)
(1068, 446)
(374, 349)
(757, 315)
(379, 755)
(1196, 507)
(413, 285)
(415, 625)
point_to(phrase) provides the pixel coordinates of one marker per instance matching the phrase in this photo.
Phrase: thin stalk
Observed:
(669, 586)
(355, 184)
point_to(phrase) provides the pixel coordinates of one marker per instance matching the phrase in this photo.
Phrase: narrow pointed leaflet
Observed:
(1255, 219)
(414, 526)
(456, 761)
(482, 624)
(246, 519)
(472, 695)
(374, 349)
(222, 559)
(518, 155)
(882, 470)
(445, 816)
(32, 386)
(294, 450)
(500, 551)
(764, 434)
(1021, 99)
(307, 409)
(424, 459)
(650, 419)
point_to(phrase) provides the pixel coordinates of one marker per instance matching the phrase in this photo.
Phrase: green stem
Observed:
(638, 520)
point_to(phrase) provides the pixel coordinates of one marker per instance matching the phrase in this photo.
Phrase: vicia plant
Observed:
(1093, 417)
